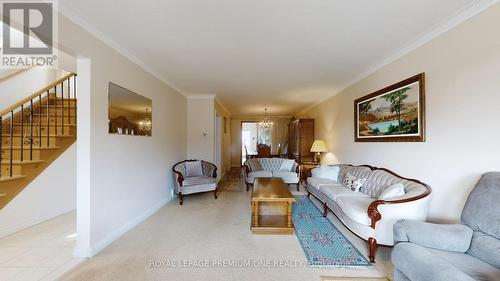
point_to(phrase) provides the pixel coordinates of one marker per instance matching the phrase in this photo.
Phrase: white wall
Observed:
(462, 98)
(225, 137)
(25, 84)
(201, 128)
(51, 194)
(121, 179)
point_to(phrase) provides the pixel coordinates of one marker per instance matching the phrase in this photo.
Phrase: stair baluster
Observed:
(11, 133)
(40, 120)
(48, 120)
(31, 129)
(74, 95)
(55, 108)
(62, 100)
(22, 132)
(69, 99)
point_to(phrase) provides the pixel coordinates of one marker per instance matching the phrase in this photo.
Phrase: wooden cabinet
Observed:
(300, 140)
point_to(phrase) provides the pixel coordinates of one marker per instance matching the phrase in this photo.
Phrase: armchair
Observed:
(467, 251)
(194, 176)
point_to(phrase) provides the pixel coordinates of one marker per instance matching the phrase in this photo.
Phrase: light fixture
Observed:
(266, 124)
(145, 123)
(318, 147)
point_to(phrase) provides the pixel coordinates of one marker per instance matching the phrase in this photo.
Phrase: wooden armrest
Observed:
(374, 214)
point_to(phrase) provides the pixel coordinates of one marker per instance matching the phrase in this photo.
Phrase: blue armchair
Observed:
(467, 251)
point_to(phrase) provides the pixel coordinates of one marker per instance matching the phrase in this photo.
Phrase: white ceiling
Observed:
(281, 54)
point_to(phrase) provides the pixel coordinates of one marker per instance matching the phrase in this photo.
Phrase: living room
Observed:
(281, 140)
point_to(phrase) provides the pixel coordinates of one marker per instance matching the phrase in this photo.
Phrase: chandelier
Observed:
(145, 123)
(266, 123)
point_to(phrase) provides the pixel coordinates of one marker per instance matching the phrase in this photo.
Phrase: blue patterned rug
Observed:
(322, 242)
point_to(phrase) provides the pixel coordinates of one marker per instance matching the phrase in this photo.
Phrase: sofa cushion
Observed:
(198, 180)
(318, 182)
(486, 248)
(258, 174)
(394, 190)
(475, 268)
(356, 208)
(193, 168)
(326, 172)
(288, 177)
(334, 191)
(419, 264)
(481, 213)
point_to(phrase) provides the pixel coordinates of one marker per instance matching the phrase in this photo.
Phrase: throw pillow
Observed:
(287, 165)
(394, 190)
(255, 165)
(330, 172)
(357, 184)
(193, 168)
(347, 182)
(353, 183)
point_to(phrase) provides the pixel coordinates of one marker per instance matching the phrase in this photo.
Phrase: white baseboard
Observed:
(110, 238)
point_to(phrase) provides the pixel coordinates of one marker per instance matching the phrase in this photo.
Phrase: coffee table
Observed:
(271, 207)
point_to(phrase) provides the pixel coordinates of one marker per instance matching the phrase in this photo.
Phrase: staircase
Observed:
(34, 132)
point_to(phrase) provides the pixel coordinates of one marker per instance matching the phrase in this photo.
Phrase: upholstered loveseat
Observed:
(458, 252)
(273, 167)
(194, 176)
(370, 213)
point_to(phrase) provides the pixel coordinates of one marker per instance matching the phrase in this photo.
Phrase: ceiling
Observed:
(285, 55)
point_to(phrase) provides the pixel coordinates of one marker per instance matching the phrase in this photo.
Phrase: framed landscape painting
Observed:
(393, 114)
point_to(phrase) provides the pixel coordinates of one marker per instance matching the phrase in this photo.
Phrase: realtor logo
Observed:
(29, 32)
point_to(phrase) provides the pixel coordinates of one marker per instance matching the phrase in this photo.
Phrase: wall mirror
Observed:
(128, 113)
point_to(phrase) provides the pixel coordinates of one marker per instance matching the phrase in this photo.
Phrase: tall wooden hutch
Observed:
(300, 140)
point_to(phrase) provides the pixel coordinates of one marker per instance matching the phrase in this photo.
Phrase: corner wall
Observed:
(121, 179)
(201, 128)
(226, 137)
(462, 98)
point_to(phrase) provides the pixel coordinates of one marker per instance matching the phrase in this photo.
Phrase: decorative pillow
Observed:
(353, 183)
(255, 165)
(357, 184)
(394, 190)
(287, 165)
(193, 168)
(329, 172)
(347, 182)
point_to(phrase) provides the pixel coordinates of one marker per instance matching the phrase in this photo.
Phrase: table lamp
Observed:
(318, 147)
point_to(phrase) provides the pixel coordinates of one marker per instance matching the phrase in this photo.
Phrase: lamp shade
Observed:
(319, 146)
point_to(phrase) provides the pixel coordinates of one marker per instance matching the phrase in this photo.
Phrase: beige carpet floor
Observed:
(208, 239)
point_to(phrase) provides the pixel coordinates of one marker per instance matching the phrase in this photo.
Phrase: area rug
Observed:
(232, 181)
(331, 278)
(323, 244)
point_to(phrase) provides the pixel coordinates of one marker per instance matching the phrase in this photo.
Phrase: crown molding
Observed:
(74, 17)
(201, 97)
(261, 116)
(223, 106)
(473, 8)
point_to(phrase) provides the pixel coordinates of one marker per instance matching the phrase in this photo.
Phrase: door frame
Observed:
(241, 139)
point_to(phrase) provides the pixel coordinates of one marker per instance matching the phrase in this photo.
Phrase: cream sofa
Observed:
(271, 167)
(363, 212)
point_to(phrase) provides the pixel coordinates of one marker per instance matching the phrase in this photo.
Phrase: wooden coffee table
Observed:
(271, 207)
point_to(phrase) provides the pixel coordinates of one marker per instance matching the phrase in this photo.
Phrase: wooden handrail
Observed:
(42, 91)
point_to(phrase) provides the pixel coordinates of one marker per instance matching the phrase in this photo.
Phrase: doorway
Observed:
(249, 137)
